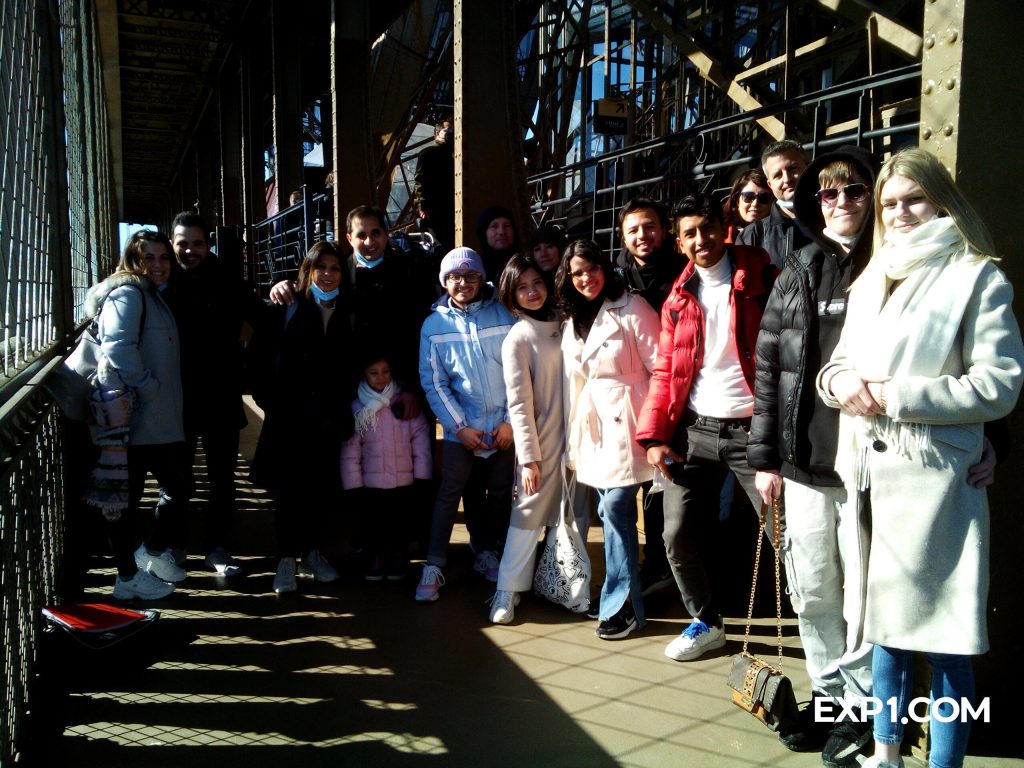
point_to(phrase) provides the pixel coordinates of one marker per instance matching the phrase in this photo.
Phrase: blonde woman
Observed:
(930, 351)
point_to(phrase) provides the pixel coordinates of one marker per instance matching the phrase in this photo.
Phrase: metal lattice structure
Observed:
(56, 239)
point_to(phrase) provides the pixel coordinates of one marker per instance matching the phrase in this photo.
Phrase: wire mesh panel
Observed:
(56, 239)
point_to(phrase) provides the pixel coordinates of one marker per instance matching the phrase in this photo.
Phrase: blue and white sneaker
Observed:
(695, 641)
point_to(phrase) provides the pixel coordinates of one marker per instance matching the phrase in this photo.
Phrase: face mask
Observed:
(322, 295)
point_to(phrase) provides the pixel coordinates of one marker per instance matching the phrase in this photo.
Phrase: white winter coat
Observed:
(606, 382)
(532, 363)
(927, 581)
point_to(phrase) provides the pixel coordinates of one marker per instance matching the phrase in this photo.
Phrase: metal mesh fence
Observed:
(56, 239)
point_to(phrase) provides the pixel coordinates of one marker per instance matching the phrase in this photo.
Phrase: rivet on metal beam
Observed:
(928, 87)
(929, 42)
(926, 133)
(951, 36)
(947, 129)
(950, 84)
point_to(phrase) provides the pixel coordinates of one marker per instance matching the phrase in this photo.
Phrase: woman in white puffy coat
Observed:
(609, 345)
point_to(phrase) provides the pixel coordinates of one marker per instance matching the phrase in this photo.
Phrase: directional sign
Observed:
(611, 116)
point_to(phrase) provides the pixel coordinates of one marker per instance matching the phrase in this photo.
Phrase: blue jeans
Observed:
(617, 509)
(952, 677)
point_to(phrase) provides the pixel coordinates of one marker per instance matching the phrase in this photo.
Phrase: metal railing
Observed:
(56, 239)
(278, 244)
(597, 187)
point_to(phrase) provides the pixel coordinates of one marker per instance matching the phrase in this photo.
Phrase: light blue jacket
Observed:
(150, 365)
(460, 364)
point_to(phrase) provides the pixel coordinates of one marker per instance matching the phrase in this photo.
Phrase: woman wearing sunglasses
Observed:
(749, 200)
(930, 351)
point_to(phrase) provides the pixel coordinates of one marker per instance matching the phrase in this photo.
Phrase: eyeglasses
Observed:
(469, 278)
(762, 197)
(830, 195)
(590, 271)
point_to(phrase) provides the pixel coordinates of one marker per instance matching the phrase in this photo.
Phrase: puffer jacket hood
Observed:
(808, 211)
(99, 292)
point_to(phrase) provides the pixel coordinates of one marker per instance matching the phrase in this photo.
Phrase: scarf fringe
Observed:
(905, 437)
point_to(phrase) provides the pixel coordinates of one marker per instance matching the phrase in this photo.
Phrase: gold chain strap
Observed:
(762, 526)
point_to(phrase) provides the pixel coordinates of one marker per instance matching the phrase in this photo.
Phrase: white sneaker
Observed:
(876, 762)
(503, 606)
(696, 640)
(284, 580)
(162, 566)
(317, 564)
(142, 586)
(430, 584)
(222, 563)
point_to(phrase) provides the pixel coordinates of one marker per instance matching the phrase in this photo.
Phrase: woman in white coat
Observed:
(531, 360)
(929, 352)
(608, 348)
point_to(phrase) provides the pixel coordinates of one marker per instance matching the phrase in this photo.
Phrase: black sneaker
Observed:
(655, 579)
(594, 611)
(808, 734)
(845, 742)
(620, 626)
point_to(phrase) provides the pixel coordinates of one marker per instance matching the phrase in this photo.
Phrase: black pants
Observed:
(167, 465)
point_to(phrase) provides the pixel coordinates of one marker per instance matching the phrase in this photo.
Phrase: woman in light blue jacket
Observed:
(140, 365)
(461, 374)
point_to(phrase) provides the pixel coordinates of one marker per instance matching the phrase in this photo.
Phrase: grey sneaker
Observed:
(220, 562)
(284, 580)
(503, 606)
(316, 564)
(162, 565)
(142, 586)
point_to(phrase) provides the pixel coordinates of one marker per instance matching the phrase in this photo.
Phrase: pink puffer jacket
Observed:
(390, 456)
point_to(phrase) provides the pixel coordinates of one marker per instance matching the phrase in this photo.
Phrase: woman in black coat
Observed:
(305, 349)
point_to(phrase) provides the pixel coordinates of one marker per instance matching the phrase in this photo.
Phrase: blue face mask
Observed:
(322, 295)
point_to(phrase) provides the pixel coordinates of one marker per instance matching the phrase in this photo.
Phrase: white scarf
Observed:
(373, 401)
(908, 333)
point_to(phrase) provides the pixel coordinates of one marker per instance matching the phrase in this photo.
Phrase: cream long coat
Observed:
(532, 362)
(927, 582)
(606, 382)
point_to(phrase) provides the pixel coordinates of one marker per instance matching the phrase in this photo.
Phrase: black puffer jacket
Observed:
(777, 233)
(792, 430)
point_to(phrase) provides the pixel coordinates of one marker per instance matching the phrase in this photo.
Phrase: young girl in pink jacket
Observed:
(379, 465)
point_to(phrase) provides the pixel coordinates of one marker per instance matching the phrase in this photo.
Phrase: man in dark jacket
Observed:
(210, 304)
(781, 232)
(695, 420)
(434, 188)
(648, 264)
(794, 436)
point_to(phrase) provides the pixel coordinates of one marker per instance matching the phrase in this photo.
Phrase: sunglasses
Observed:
(830, 195)
(762, 197)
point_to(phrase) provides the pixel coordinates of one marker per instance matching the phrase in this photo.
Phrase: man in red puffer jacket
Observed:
(696, 419)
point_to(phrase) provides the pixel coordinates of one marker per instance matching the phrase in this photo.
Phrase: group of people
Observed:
(838, 337)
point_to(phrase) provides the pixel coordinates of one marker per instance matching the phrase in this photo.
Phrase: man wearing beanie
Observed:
(498, 237)
(460, 370)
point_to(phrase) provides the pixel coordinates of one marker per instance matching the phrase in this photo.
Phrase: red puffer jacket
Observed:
(681, 344)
